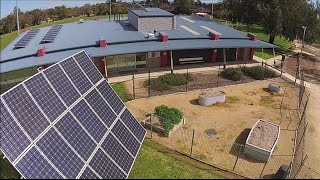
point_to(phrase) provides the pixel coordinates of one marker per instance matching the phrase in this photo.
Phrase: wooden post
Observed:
(171, 62)
(224, 58)
(133, 88)
(274, 57)
(149, 88)
(151, 124)
(218, 76)
(192, 142)
(262, 56)
(187, 79)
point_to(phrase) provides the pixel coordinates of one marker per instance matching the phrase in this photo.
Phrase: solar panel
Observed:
(24, 41)
(67, 122)
(52, 33)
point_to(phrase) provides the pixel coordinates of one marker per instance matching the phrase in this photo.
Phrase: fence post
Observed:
(265, 69)
(218, 76)
(187, 79)
(151, 124)
(133, 88)
(149, 87)
(192, 142)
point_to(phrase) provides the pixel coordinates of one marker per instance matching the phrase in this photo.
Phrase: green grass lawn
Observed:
(7, 171)
(122, 92)
(7, 38)
(152, 163)
(284, 44)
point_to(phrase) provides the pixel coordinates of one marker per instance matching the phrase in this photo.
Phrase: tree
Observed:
(183, 6)
(271, 20)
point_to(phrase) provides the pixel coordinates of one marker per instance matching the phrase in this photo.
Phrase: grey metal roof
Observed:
(135, 47)
(151, 12)
(121, 39)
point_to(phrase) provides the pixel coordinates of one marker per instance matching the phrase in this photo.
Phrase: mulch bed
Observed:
(202, 81)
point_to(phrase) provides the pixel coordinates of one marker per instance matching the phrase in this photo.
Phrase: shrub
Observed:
(233, 74)
(158, 85)
(175, 79)
(165, 82)
(258, 72)
(171, 116)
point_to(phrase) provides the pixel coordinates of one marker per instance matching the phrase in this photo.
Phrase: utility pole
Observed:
(212, 9)
(17, 17)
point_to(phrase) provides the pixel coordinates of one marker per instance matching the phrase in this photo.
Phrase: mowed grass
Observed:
(284, 44)
(150, 163)
(7, 171)
(155, 164)
(122, 92)
(7, 38)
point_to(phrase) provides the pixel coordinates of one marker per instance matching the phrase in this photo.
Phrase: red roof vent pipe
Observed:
(252, 37)
(214, 36)
(102, 43)
(41, 52)
(164, 37)
(25, 30)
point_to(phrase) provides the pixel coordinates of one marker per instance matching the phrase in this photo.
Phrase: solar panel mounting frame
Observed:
(25, 36)
(46, 38)
(68, 110)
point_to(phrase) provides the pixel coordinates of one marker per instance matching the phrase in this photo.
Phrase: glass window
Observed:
(141, 60)
(111, 63)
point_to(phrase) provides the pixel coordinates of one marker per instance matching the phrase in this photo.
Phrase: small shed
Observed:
(262, 140)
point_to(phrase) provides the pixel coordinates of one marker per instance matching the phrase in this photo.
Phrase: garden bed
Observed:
(157, 126)
(202, 81)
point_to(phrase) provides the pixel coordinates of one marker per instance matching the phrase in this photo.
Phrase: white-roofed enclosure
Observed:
(262, 140)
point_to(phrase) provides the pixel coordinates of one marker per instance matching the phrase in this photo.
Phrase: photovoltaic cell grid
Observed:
(55, 124)
(23, 42)
(52, 33)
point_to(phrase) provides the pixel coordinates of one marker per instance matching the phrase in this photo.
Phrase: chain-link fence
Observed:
(142, 85)
(205, 146)
(299, 157)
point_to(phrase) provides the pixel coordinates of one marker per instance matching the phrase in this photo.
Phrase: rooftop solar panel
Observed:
(52, 34)
(24, 41)
(67, 122)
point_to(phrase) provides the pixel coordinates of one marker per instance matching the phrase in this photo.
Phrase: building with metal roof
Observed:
(145, 40)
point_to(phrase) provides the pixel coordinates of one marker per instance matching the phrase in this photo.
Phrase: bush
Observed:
(233, 74)
(165, 82)
(171, 116)
(258, 72)
(158, 85)
(175, 79)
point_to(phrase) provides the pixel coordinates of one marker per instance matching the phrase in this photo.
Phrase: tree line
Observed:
(38, 16)
(277, 17)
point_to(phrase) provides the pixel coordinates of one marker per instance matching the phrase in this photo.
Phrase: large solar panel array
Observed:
(52, 33)
(23, 42)
(67, 122)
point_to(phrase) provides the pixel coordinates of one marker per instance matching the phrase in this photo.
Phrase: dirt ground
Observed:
(232, 121)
